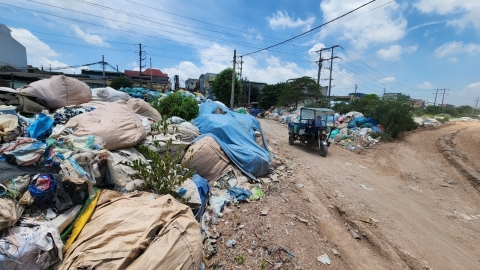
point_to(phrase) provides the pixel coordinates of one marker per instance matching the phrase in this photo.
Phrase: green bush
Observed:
(394, 116)
(164, 173)
(176, 104)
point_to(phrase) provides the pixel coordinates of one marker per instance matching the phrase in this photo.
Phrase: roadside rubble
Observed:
(70, 201)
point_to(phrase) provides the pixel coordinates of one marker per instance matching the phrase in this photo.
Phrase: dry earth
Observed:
(410, 203)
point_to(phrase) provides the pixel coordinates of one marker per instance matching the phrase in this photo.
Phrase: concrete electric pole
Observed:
(232, 95)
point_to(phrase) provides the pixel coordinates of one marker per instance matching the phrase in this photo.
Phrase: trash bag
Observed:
(59, 91)
(41, 128)
(42, 187)
(31, 245)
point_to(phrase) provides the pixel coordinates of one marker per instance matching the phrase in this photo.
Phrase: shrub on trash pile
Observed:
(175, 104)
(395, 116)
(164, 173)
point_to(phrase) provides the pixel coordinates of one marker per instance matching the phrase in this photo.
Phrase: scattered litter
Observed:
(335, 252)
(264, 212)
(353, 233)
(300, 185)
(257, 193)
(231, 243)
(365, 187)
(324, 259)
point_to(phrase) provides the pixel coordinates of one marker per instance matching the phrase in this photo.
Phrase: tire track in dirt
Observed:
(458, 159)
(420, 213)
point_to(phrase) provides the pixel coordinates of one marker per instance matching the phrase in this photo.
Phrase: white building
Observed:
(12, 52)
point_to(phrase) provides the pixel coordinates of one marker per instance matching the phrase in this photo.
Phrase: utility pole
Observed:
(355, 95)
(320, 60)
(444, 95)
(476, 103)
(232, 95)
(331, 68)
(241, 67)
(435, 102)
(249, 89)
(50, 68)
(140, 55)
(103, 67)
(43, 75)
(117, 69)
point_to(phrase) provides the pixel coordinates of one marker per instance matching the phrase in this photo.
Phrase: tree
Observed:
(268, 97)
(300, 90)
(175, 104)
(120, 82)
(222, 87)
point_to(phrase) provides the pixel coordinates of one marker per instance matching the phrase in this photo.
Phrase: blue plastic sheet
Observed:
(41, 128)
(203, 188)
(235, 134)
(239, 193)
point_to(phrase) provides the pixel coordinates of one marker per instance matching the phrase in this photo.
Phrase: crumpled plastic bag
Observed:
(257, 193)
(218, 202)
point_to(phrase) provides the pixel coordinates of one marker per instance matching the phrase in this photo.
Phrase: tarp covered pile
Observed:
(69, 199)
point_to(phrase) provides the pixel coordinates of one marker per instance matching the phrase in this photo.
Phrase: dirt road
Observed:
(428, 213)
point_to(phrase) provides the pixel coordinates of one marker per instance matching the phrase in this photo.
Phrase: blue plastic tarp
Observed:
(41, 128)
(235, 134)
(203, 187)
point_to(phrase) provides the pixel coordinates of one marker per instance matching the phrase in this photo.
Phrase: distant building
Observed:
(12, 53)
(192, 84)
(151, 78)
(417, 103)
(206, 82)
(396, 96)
(359, 95)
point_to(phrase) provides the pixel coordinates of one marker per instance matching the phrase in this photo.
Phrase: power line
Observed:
(125, 31)
(315, 28)
(196, 20)
(137, 16)
(172, 24)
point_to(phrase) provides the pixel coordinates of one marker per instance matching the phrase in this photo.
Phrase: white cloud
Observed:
(387, 80)
(184, 70)
(453, 60)
(282, 20)
(38, 61)
(469, 10)
(313, 51)
(258, 37)
(383, 25)
(425, 85)
(35, 47)
(392, 53)
(470, 92)
(411, 49)
(455, 48)
(89, 38)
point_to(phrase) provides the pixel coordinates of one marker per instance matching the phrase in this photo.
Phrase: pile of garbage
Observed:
(425, 121)
(70, 199)
(353, 131)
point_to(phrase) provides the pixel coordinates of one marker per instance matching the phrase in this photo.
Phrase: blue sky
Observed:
(412, 47)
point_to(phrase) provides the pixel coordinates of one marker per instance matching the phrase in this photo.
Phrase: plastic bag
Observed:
(41, 128)
(42, 196)
(257, 193)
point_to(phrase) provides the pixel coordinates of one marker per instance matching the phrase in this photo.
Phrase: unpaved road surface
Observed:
(428, 213)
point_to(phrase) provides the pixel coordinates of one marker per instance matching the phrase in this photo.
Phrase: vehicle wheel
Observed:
(290, 139)
(323, 149)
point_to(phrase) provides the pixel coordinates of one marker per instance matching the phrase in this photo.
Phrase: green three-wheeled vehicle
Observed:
(313, 128)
